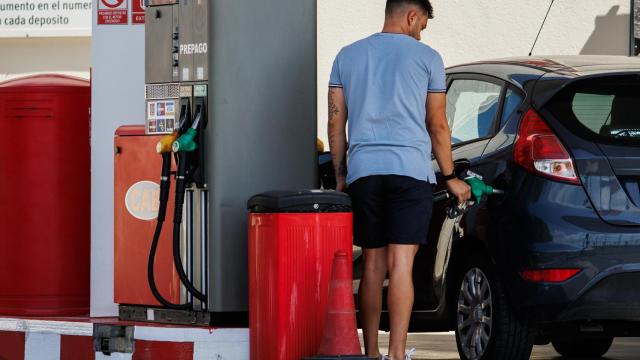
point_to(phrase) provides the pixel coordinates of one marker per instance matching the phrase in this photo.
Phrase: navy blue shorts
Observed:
(390, 209)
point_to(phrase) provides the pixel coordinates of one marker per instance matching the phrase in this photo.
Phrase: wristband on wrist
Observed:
(449, 177)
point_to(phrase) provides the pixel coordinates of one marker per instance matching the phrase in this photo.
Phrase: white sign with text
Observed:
(44, 18)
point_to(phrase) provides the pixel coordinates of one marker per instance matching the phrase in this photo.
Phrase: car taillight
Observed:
(549, 275)
(539, 150)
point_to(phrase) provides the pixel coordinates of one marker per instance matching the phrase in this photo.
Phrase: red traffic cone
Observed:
(340, 336)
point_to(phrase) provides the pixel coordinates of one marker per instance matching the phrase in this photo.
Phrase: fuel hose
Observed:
(164, 147)
(165, 185)
(181, 185)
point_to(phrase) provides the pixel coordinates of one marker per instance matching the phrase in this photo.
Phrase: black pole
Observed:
(632, 37)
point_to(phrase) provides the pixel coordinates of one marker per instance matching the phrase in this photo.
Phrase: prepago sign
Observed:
(113, 12)
(45, 18)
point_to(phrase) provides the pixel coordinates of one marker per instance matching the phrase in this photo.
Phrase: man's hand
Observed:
(438, 127)
(460, 190)
(337, 131)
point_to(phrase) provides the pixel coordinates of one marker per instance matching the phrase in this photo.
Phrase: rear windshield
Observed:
(607, 108)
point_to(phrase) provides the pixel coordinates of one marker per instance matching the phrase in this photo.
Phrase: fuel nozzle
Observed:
(165, 144)
(163, 147)
(186, 142)
(478, 188)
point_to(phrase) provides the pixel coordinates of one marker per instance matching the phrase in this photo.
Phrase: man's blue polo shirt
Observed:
(386, 78)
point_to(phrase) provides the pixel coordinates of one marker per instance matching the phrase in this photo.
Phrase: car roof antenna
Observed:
(541, 26)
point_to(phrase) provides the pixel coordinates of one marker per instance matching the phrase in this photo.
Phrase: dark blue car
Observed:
(557, 257)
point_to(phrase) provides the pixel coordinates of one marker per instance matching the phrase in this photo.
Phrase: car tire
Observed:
(583, 348)
(486, 328)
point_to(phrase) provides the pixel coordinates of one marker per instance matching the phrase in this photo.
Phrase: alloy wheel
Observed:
(475, 311)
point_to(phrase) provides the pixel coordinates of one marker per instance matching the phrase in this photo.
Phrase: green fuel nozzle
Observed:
(479, 188)
(186, 142)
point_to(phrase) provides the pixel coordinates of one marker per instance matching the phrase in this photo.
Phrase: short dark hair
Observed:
(425, 5)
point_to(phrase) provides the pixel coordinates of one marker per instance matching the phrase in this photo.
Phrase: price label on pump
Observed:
(161, 116)
(113, 12)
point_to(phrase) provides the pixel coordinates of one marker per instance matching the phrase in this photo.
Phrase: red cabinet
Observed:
(136, 201)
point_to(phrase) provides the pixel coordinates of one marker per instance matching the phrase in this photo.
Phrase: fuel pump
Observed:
(251, 130)
(190, 159)
(166, 147)
(176, 94)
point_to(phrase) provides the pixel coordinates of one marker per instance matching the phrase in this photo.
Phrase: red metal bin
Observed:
(293, 237)
(45, 196)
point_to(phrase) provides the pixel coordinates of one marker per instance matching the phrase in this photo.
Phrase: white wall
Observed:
(117, 99)
(465, 31)
(26, 56)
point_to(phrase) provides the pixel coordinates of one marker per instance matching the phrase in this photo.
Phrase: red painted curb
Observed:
(155, 350)
(76, 348)
(12, 345)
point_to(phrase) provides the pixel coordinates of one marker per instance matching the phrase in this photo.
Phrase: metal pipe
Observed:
(204, 240)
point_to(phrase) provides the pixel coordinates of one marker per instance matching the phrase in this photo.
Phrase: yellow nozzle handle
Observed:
(164, 145)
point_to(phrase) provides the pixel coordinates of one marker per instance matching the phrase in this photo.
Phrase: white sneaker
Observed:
(409, 353)
(407, 356)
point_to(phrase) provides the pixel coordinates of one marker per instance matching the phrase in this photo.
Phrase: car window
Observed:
(592, 110)
(603, 108)
(611, 115)
(512, 101)
(472, 106)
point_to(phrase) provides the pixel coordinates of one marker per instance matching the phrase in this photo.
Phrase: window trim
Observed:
(504, 120)
(498, 117)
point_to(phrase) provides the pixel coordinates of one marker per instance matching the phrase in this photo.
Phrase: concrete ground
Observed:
(442, 346)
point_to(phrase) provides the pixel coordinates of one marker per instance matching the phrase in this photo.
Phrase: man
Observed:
(387, 86)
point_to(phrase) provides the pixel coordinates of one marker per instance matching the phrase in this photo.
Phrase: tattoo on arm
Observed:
(333, 109)
(336, 130)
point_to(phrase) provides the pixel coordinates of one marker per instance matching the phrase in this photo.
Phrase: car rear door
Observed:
(598, 119)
